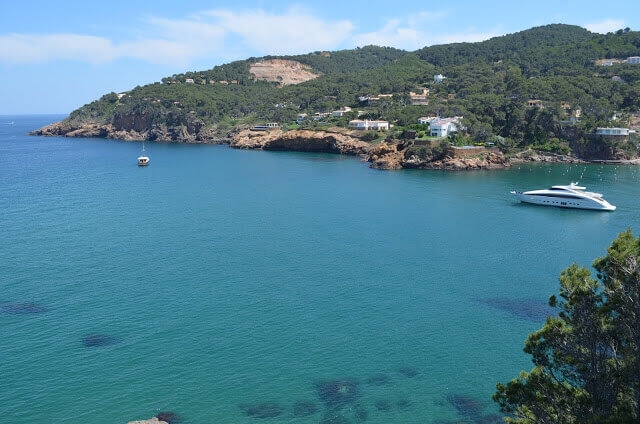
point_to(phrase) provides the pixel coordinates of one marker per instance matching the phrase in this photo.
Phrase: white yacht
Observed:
(143, 160)
(570, 196)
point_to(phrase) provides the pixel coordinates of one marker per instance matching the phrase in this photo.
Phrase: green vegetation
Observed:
(489, 83)
(586, 359)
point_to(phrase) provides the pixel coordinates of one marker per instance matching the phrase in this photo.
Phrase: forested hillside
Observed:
(488, 83)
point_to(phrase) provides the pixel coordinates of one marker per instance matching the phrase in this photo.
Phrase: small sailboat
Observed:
(143, 160)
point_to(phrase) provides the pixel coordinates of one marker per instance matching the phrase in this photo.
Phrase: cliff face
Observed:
(390, 156)
(134, 127)
(300, 141)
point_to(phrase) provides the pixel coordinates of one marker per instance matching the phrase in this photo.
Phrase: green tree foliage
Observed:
(587, 358)
(491, 81)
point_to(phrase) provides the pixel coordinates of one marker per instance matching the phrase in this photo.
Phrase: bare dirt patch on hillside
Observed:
(283, 72)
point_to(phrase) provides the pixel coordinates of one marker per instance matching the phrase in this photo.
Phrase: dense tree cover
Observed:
(488, 83)
(347, 61)
(587, 358)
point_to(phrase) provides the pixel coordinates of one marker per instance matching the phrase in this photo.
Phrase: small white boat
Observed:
(143, 160)
(571, 196)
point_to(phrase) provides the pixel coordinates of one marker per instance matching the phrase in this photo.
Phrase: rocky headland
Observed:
(191, 132)
(301, 141)
(387, 155)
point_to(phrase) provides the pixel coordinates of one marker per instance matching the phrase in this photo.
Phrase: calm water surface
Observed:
(222, 278)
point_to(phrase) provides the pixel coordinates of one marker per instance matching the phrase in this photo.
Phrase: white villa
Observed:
(359, 124)
(427, 119)
(341, 112)
(443, 127)
(438, 78)
(419, 98)
(318, 116)
(189, 81)
(301, 117)
(612, 131)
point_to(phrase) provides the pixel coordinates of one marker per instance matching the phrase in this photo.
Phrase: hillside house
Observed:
(634, 60)
(613, 131)
(224, 82)
(121, 95)
(189, 81)
(418, 99)
(301, 118)
(234, 81)
(616, 78)
(368, 125)
(439, 78)
(318, 116)
(427, 119)
(266, 127)
(212, 81)
(444, 127)
(575, 116)
(341, 112)
(535, 103)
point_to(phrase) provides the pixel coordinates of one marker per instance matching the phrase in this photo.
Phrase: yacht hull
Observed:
(563, 203)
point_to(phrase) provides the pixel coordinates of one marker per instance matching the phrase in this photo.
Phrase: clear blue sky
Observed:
(57, 56)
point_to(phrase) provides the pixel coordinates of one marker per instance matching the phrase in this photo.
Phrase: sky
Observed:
(58, 56)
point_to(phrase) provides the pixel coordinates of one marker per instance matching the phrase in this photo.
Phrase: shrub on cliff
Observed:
(369, 136)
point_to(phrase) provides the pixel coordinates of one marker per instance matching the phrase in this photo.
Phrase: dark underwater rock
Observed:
(528, 309)
(378, 379)
(403, 403)
(466, 405)
(304, 408)
(384, 405)
(262, 410)
(98, 340)
(408, 372)
(22, 308)
(337, 393)
(334, 417)
(169, 417)
(360, 414)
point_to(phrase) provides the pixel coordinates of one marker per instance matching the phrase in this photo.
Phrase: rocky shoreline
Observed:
(159, 132)
(384, 156)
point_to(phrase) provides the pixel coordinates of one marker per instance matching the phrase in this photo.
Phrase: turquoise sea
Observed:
(219, 283)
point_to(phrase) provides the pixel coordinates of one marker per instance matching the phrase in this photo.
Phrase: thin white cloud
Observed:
(230, 34)
(607, 25)
(181, 41)
(295, 31)
(41, 48)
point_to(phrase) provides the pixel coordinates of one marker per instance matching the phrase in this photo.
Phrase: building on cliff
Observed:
(442, 127)
(359, 124)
